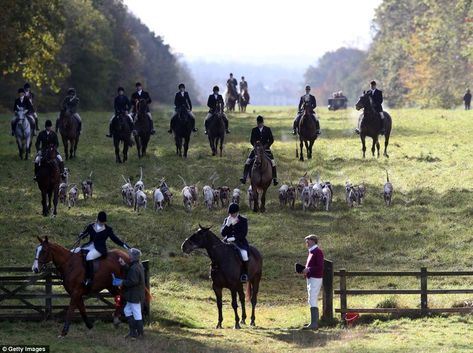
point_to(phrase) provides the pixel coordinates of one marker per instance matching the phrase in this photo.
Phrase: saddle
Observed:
(96, 262)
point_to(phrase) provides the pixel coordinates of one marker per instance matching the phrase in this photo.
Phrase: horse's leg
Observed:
(211, 143)
(255, 200)
(263, 201)
(377, 146)
(186, 145)
(20, 148)
(125, 150)
(373, 146)
(309, 155)
(43, 202)
(116, 143)
(71, 149)
(64, 142)
(235, 308)
(301, 158)
(50, 196)
(386, 143)
(83, 313)
(69, 313)
(311, 144)
(75, 146)
(363, 144)
(55, 198)
(254, 299)
(221, 146)
(241, 294)
(218, 294)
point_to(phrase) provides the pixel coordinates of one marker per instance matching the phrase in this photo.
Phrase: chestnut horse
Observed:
(48, 179)
(370, 124)
(69, 129)
(72, 270)
(260, 176)
(307, 132)
(225, 272)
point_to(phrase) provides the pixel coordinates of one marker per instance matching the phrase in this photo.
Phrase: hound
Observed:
(351, 194)
(224, 195)
(208, 196)
(216, 199)
(65, 176)
(306, 197)
(194, 191)
(139, 185)
(63, 193)
(250, 197)
(187, 198)
(127, 192)
(327, 196)
(158, 198)
(388, 191)
(283, 195)
(361, 193)
(291, 196)
(166, 192)
(236, 196)
(87, 187)
(316, 194)
(140, 200)
(73, 195)
(303, 182)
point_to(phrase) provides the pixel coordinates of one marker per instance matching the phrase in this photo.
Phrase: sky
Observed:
(287, 32)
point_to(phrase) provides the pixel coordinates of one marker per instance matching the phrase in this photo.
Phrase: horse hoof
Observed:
(301, 159)
(218, 326)
(243, 322)
(252, 323)
(89, 325)
(237, 326)
(61, 336)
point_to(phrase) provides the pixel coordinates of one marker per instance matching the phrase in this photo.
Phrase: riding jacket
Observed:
(135, 97)
(99, 238)
(25, 104)
(238, 230)
(312, 102)
(181, 100)
(265, 136)
(212, 102)
(46, 139)
(70, 103)
(122, 104)
(377, 98)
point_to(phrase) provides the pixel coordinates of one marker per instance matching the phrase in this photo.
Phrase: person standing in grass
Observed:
(313, 272)
(467, 99)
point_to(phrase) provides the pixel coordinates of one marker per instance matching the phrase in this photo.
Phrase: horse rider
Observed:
(22, 103)
(133, 292)
(264, 135)
(182, 101)
(136, 97)
(98, 233)
(307, 98)
(121, 105)
(467, 99)
(234, 230)
(70, 104)
(232, 82)
(30, 96)
(313, 271)
(216, 105)
(377, 101)
(46, 138)
(243, 84)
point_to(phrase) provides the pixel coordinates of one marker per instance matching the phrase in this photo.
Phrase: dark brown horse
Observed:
(69, 129)
(260, 176)
(142, 128)
(225, 272)
(182, 129)
(121, 133)
(72, 270)
(216, 130)
(371, 124)
(231, 98)
(307, 132)
(48, 178)
(243, 100)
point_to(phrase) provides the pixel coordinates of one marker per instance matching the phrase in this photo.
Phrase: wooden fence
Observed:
(36, 297)
(423, 292)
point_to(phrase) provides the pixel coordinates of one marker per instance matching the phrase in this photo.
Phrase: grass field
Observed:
(429, 224)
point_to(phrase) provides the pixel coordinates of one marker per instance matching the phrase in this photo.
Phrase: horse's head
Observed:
(307, 108)
(364, 102)
(259, 153)
(42, 255)
(198, 240)
(142, 106)
(21, 113)
(51, 153)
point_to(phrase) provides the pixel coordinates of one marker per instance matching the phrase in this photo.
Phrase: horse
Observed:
(72, 270)
(216, 131)
(142, 128)
(231, 97)
(226, 270)
(121, 132)
(243, 100)
(182, 129)
(23, 132)
(307, 132)
(48, 178)
(371, 124)
(260, 177)
(69, 129)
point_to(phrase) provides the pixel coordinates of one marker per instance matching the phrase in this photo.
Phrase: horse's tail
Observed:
(148, 296)
(248, 291)
(387, 176)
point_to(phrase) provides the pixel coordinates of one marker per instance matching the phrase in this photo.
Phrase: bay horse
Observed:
(69, 129)
(307, 132)
(225, 272)
(216, 131)
(182, 129)
(370, 124)
(142, 128)
(231, 97)
(23, 132)
(72, 270)
(121, 127)
(243, 100)
(260, 176)
(48, 179)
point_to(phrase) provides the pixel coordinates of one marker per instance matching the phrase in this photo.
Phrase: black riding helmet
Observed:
(259, 119)
(233, 208)
(27, 86)
(102, 217)
(138, 84)
(181, 85)
(21, 90)
(120, 89)
(216, 88)
(48, 123)
(71, 91)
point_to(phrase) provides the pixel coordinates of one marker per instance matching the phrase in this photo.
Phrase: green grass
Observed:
(428, 225)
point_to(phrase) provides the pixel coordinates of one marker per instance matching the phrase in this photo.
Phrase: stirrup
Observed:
(194, 130)
(205, 132)
(244, 278)
(87, 282)
(227, 131)
(243, 180)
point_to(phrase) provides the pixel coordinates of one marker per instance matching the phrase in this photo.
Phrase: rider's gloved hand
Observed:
(116, 281)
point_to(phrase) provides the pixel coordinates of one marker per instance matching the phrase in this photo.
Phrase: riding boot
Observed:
(275, 176)
(36, 169)
(295, 126)
(317, 127)
(36, 123)
(110, 133)
(13, 127)
(170, 126)
(314, 319)
(89, 273)
(246, 170)
(225, 120)
(57, 126)
(131, 327)
(152, 126)
(61, 168)
(206, 124)
(139, 328)
(383, 126)
(193, 124)
(79, 128)
(244, 272)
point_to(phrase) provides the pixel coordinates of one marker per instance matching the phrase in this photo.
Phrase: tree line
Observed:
(91, 45)
(421, 55)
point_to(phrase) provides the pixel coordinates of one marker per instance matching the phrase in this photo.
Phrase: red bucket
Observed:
(350, 318)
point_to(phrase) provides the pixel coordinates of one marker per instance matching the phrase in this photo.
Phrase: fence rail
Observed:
(41, 296)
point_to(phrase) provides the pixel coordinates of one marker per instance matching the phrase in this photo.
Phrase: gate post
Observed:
(48, 291)
(423, 289)
(327, 299)
(146, 306)
(343, 293)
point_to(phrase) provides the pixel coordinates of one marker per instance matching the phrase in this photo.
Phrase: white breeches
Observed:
(39, 155)
(313, 289)
(382, 115)
(133, 309)
(115, 115)
(244, 254)
(91, 255)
